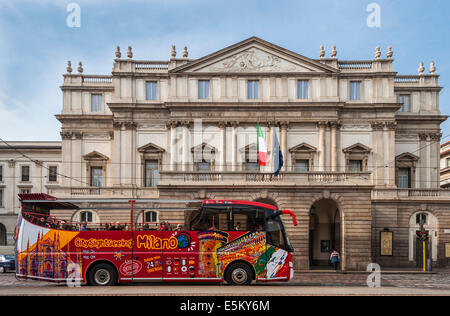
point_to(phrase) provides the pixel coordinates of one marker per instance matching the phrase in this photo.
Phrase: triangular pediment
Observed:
(303, 147)
(203, 147)
(407, 156)
(249, 147)
(95, 155)
(254, 55)
(357, 148)
(151, 148)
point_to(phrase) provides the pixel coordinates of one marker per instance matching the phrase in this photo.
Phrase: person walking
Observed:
(335, 259)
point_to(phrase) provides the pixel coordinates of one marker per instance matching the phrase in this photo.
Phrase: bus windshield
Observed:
(242, 218)
(276, 234)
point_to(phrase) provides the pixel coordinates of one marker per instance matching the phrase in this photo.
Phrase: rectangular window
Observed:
(302, 89)
(405, 101)
(1, 198)
(151, 173)
(204, 166)
(25, 191)
(404, 175)
(251, 167)
(203, 89)
(52, 173)
(302, 165)
(96, 103)
(355, 90)
(252, 86)
(25, 173)
(96, 176)
(1, 173)
(448, 163)
(86, 217)
(151, 217)
(355, 165)
(151, 93)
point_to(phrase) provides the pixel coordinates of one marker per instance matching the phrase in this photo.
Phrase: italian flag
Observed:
(262, 148)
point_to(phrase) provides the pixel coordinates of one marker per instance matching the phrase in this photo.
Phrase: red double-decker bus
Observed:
(220, 240)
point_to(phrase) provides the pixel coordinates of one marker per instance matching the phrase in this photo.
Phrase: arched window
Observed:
(85, 216)
(421, 218)
(150, 217)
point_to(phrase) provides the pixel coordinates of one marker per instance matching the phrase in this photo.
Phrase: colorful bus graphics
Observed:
(46, 253)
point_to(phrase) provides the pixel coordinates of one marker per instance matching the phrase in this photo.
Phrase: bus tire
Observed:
(102, 274)
(239, 273)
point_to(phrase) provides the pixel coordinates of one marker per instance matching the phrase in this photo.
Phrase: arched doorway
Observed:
(325, 233)
(430, 224)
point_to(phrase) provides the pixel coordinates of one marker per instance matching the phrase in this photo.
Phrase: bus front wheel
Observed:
(102, 274)
(239, 274)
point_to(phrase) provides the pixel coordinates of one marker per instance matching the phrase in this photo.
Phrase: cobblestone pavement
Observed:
(331, 282)
(439, 280)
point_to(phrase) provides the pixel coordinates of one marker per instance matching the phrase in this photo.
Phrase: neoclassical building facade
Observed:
(360, 144)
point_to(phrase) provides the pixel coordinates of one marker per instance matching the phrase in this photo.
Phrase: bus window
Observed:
(275, 233)
(248, 218)
(212, 218)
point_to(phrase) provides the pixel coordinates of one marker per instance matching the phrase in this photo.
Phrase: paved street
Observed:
(303, 284)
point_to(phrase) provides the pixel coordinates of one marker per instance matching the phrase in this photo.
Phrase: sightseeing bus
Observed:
(237, 242)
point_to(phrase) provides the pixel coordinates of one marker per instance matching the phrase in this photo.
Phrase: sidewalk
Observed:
(406, 278)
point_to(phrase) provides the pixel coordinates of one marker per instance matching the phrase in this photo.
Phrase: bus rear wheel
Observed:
(239, 274)
(102, 274)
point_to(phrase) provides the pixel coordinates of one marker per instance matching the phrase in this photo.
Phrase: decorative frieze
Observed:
(125, 124)
(66, 135)
(377, 126)
(390, 125)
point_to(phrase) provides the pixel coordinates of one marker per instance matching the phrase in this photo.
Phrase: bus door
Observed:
(147, 255)
(248, 237)
(191, 251)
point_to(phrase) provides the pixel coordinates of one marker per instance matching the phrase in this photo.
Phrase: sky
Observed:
(36, 41)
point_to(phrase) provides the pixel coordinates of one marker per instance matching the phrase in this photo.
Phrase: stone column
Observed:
(283, 142)
(117, 154)
(435, 159)
(334, 127)
(172, 127)
(390, 153)
(423, 161)
(322, 126)
(77, 157)
(428, 163)
(186, 149)
(129, 157)
(234, 126)
(378, 152)
(223, 142)
(66, 166)
(11, 186)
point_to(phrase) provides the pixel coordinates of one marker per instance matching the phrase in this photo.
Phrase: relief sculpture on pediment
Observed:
(253, 60)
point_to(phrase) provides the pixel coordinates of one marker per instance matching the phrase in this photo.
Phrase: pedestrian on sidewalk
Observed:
(335, 259)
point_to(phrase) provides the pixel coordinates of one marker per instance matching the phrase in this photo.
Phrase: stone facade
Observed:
(19, 174)
(445, 165)
(360, 144)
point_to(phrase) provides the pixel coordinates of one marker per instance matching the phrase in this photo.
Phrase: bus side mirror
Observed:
(288, 212)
